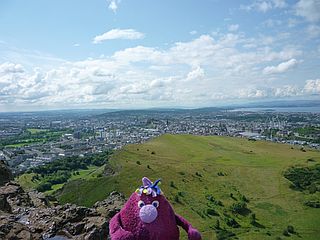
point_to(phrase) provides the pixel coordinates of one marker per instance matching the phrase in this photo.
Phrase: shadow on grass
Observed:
(258, 225)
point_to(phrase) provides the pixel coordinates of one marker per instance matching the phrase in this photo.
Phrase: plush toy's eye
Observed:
(140, 204)
(155, 204)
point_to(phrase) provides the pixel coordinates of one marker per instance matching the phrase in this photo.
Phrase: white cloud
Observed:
(281, 68)
(196, 74)
(264, 5)
(286, 91)
(145, 75)
(233, 27)
(279, 3)
(272, 23)
(309, 9)
(252, 93)
(193, 32)
(76, 45)
(313, 31)
(312, 86)
(117, 33)
(113, 5)
(8, 67)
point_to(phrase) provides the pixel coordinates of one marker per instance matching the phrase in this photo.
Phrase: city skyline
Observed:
(125, 54)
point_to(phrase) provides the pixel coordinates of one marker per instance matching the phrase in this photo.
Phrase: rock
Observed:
(29, 216)
(39, 199)
(108, 170)
(13, 198)
(111, 205)
(5, 173)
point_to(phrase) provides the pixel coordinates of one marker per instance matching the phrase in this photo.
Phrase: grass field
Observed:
(196, 169)
(36, 130)
(92, 172)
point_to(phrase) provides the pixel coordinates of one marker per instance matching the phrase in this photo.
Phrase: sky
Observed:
(125, 54)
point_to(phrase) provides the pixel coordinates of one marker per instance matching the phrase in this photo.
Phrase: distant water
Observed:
(280, 109)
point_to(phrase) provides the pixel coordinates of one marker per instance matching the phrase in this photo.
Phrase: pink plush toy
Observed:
(147, 215)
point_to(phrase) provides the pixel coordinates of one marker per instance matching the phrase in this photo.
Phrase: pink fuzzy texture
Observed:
(127, 225)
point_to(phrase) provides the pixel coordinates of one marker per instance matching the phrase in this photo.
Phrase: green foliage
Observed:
(138, 162)
(313, 204)
(172, 184)
(239, 208)
(177, 199)
(223, 234)
(212, 212)
(214, 201)
(308, 130)
(285, 233)
(304, 178)
(61, 170)
(44, 187)
(243, 198)
(231, 222)
(290, 229)
(32, 136)
(253, 218)
(178, 157)
(182, 194)
(217, 224)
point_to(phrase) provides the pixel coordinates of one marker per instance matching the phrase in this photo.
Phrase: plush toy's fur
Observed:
(147, 216)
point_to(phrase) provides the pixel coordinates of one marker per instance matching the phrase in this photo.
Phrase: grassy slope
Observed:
(26, 182)
(252, 168)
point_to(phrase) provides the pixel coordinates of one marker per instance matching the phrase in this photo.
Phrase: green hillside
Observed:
(224, 186)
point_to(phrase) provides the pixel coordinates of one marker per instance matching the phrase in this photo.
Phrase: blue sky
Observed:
(140, 54)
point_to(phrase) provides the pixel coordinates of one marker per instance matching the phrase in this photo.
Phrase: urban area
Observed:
(31, 139)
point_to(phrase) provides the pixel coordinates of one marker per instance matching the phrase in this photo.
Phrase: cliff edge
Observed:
(28, 215)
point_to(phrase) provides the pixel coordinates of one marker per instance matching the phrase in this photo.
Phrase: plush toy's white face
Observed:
(148, 212)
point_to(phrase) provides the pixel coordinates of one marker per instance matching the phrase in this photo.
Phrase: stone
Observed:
(30, 216)
(5, 173)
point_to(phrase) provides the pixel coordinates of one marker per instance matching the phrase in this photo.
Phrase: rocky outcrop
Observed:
(5, 173)
(29, 216)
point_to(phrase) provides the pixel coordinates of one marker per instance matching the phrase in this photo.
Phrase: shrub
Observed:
(138, 162)
(290, 229)
(182, 194)
(313, 204)
(253, 218)
(172, 184)
(231, 222)
(212, 212)
(44, 187)
(244, 198)
(223, 234)
(177, 199)
(217, 224)
(304, 178)
(285, 233)
(239, 207)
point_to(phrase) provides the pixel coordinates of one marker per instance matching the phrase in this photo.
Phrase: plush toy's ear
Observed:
(146, 182)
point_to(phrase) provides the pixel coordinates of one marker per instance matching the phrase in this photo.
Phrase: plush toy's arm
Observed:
(193, 233)
(116, 231)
